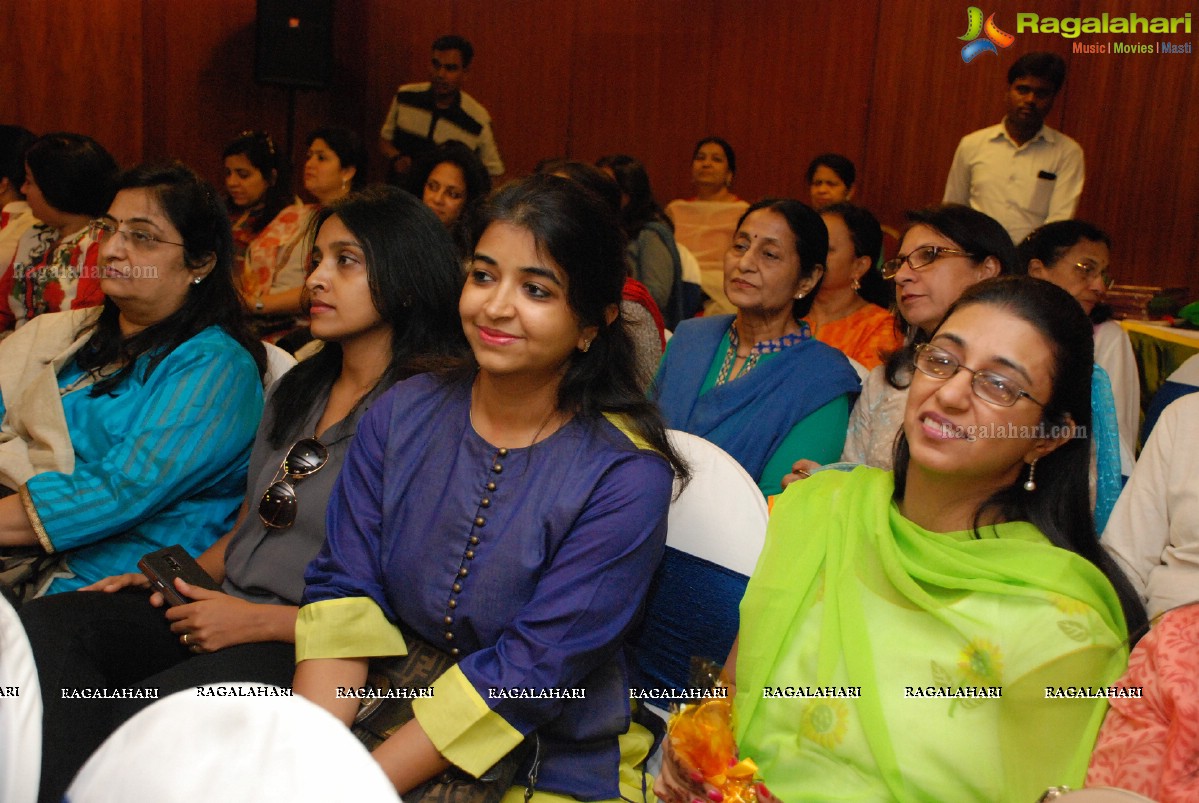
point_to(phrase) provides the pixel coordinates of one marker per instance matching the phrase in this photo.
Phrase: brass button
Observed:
(480, 521)
(454, 652)
(491, 486)
(497, 468)
(486, 502)
(449, 620)
(462, 573)
(470, 554)
(474, 539)
(453, 603)
(449, 636)
(457, 587)
(503, 451)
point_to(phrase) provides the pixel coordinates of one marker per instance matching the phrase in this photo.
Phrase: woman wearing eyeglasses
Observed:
(510, 514)
(127, 426)
(945, 250)
(381, 290)
(1076, 256)
(954, 608)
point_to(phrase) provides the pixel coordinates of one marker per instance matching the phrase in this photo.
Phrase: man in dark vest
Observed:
(426, 114)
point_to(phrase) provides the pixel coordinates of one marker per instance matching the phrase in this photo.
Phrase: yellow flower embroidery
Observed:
(1067, 605)
(825, 722)
(981, 663)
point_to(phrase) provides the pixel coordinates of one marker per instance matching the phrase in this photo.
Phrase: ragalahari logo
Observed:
(990, 32)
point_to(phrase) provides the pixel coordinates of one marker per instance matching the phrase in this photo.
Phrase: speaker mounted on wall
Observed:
(295, 43)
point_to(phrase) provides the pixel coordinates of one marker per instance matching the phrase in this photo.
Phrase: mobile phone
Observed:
(163, 566)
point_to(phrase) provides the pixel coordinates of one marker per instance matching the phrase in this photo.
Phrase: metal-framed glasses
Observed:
(921, 258)
(279, 504)
(1089, 271)
(989, 386)
(137, 239)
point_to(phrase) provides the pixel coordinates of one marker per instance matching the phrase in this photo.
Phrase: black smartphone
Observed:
(163, 566)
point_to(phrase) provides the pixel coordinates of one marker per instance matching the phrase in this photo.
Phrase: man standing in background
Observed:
(426, 114)
(1021, 172)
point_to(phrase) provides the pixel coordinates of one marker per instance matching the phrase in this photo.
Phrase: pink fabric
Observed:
(1151, 745)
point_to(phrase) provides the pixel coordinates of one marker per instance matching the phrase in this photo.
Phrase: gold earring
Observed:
(855, 284)
(586, 346)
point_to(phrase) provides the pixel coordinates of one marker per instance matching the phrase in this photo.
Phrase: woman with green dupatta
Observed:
(949, 631)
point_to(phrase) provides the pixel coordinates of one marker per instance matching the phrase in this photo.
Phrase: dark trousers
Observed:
(96, 640)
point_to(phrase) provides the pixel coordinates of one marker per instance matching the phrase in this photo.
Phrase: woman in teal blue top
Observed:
(128, 427)
(757, 384)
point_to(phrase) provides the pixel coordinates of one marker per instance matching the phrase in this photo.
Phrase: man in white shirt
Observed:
(1021, 172)
(427, 114)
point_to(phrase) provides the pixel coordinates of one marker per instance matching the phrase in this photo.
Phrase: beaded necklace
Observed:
(764, 347)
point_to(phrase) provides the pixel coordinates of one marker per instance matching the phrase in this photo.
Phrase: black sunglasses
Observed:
(278, 505)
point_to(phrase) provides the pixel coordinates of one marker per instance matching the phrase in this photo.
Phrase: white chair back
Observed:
(20, 712)
(1187, 373)
(721, 515)
(190, 746)
(278, 363)
(720, 518)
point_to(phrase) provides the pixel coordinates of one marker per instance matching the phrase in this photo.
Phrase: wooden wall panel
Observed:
(200, 57)
(522, 73)
(925, 98)
(393, 46)
(789, 81)
(641, 85)
(1136, 119)
(882, 82)
(75, 66)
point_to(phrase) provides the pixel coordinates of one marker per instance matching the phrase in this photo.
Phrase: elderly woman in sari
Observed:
(756, 383)
(127, 427)
(944, 599)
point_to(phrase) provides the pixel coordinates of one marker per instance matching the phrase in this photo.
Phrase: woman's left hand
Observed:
(213, 620)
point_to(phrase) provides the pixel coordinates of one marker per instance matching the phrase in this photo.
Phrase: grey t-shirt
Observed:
(267, 565)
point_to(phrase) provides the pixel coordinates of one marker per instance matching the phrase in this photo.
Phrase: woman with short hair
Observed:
(68, 182)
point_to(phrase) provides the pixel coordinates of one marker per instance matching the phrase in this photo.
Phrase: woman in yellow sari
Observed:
(942, 633)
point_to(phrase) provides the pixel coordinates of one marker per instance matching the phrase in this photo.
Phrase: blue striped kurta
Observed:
(159, 461)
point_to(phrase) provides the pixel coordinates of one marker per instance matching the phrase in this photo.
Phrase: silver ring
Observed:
(183, 640)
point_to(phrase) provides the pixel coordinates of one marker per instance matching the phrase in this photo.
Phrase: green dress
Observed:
(881, 661)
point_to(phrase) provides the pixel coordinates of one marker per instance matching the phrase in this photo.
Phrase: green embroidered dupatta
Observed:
(849, 597)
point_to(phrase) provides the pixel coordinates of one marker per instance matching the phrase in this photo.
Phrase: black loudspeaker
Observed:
(295, 43)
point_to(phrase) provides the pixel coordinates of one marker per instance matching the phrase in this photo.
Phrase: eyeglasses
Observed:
(920, 258)
(137, 239)
(1088, 271)
(987, 385)
(278, 505)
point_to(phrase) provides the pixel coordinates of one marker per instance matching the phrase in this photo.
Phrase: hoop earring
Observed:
(1030, 484)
